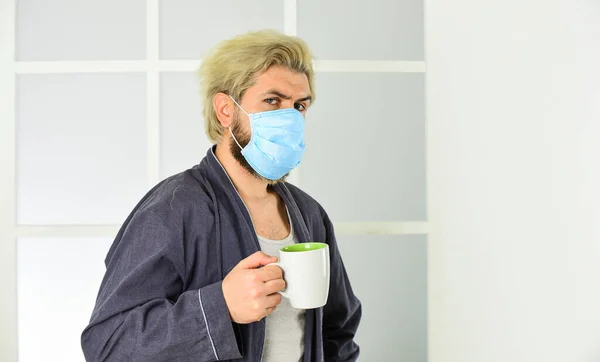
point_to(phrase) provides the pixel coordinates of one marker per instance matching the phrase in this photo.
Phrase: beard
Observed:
(244, 138)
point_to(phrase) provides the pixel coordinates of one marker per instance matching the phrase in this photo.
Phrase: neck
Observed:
(248, 186)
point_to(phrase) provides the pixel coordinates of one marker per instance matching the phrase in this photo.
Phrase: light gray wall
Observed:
(93, 136)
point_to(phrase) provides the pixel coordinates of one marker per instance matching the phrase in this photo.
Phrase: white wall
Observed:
(514, 180)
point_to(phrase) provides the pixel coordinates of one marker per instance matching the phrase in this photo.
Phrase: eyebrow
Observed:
(284, 96)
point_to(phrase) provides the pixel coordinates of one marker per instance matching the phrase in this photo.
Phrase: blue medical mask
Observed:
(277, 141)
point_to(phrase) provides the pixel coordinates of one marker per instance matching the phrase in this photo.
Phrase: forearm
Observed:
(197, 325)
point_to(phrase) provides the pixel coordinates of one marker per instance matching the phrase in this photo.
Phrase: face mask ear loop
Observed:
(236, 141)
(239, 106)
(241, 148)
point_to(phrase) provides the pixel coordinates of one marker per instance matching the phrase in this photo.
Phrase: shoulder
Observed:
(312, 211)
(305, 201)
(162, 219)
(179, 197)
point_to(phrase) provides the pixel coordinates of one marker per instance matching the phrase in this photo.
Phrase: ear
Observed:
(224, 108)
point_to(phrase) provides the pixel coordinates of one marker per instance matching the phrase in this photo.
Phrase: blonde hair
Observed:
(232, 65)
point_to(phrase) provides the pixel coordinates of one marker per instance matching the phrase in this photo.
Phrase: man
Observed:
(186, 276)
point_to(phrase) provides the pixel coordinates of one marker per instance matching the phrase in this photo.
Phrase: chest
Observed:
(270, 220)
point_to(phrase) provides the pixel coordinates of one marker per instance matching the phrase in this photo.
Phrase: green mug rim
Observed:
(303, 247)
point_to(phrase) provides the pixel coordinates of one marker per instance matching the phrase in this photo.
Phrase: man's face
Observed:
(276, 88)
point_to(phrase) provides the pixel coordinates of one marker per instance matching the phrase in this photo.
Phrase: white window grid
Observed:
(152, 66)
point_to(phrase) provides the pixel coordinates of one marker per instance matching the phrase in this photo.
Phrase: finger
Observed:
(274, 286)
(273, 300)
(271, 272)
(256, 260)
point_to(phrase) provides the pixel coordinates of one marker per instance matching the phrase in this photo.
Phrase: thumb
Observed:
(256, 260)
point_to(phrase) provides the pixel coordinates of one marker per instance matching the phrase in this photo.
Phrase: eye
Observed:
(300, 107)
(272, 101)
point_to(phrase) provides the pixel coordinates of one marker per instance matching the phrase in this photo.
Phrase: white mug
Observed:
(306, 273)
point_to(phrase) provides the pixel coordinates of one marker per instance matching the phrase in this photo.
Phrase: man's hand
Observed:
(251, 293)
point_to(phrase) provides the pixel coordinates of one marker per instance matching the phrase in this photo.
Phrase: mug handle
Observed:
(283, 292)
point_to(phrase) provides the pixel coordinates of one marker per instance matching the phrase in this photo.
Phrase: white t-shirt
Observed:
(284, 339)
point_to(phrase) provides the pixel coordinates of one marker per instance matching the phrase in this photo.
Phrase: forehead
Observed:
(281, 79)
